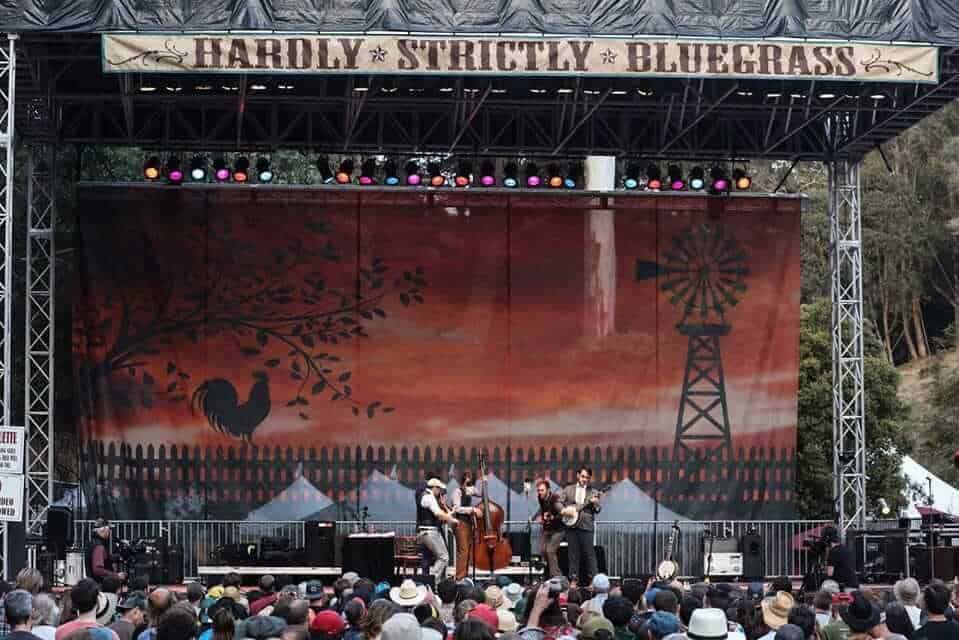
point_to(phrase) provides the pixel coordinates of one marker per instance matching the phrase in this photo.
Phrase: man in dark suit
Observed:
(582, 498)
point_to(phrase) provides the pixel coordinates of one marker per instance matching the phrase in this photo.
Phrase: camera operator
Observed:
(840, 564)
(546, 617)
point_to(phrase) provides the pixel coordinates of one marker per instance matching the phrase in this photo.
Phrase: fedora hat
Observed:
(708, 624)
(513, 593)
(861, 615)
(435, 482)
(408, 594)
(495, 597)
(776, 609)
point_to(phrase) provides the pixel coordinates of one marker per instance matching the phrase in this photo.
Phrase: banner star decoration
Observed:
(609, 56)
(378, 54)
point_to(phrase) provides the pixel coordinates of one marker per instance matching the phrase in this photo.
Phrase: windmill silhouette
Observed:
(702, 271)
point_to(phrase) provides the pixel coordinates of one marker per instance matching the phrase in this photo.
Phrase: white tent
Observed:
(945, 497)
(298, 501)
(498, 493)
(626, 501)
(386, 499)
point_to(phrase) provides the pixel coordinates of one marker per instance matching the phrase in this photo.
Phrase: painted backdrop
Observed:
(301, 352)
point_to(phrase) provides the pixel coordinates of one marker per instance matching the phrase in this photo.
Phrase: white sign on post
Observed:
(11, 498)
(11, 449)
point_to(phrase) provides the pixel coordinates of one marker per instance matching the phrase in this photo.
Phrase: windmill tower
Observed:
(702, 272)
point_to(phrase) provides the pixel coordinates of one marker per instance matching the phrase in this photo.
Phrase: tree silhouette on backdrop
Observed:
(289, 309)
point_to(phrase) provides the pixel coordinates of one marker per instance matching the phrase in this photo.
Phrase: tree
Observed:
(287, 306)
(887, 436)
(940, 423)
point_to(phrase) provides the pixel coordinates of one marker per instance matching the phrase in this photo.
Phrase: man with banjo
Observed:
(581, 504)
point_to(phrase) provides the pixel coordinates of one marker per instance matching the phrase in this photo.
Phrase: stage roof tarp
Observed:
(931, 21)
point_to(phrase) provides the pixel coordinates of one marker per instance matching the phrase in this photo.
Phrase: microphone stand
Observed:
(708, 535)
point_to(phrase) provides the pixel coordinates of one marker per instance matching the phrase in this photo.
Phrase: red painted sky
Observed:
(497, 352)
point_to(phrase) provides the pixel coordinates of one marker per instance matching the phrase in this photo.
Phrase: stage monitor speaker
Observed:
(919, 564)
(894, 551)
(867, 548)
(174, 564)
(722, 545)
(945, 559)
(754, 566)
(520, 542)
(60, 528)
(320, 542)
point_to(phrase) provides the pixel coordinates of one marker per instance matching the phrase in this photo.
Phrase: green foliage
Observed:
(886, 418)
(940, 424)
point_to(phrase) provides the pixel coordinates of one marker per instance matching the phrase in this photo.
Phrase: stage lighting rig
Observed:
(368, 172)
(654, 178)
(263, 171)
(742, 180)
(463, 172)
(344, 174)
(510, 171)
(487, 174)
(151, 168)
(198, 169)
(174, 174)
(390, 179)
(675, 176)
(532, 175)
(241, 169)
(437, 179)
(326, 173)
(574, 175)
(220, 170)
(720, 180)
(555, 179)
(631, 176)
(413, 177)
(697, 178)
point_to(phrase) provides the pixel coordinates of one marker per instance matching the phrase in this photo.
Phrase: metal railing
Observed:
(631, 547)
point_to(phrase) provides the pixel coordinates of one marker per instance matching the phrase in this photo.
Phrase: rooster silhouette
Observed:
(220, 404)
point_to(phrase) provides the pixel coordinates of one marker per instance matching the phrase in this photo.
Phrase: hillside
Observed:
(914, 389)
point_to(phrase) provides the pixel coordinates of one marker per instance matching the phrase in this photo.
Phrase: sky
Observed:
(498, 352)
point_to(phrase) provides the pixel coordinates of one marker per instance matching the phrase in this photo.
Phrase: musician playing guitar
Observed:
(582, 500)
(550, 514)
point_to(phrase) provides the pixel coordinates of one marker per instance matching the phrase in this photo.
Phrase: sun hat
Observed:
(507, 621)
(435, 482)
(495, 597)
(776, 609)
(401, 626)
(408, 594)
(708, 624)
(327, 621)
(861, 615)
(486, 614)
(513, 593)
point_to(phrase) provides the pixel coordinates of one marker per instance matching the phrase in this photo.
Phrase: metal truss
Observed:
(848, 396)
(40, 300)
(8, 78)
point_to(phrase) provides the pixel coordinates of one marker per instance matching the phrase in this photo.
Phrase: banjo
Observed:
(571, 513)
(669, 568)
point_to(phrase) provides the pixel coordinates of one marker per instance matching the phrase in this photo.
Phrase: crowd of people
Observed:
(356, 608)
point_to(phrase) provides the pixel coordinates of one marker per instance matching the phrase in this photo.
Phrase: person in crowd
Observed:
(473, 629)
(223, 625)
(546, 620)
(18, 609)
(179, 623)
(906, 592)
(379, 612)
(46, 616)
(158, 602)
(109, 587)
(353, 611)
(433, 629)
(97, 557)
(461, 611)
(660, 625)
(597, 628)
(507, 622)
(408, 595)
(687, 605)
(28, 579)
(132, 616)
(803, 617)
(327, 625)
(263, 627)
(401, 626)
(486, 614)
(898, 619)
(600, 587)
(822, 605)
(862, 617)
(298, 616)
(840, 562)
(936, 598)
(791, 632)
(709, 622)
(775, 612)
(84, 596)
(195, 593)
(619, 611)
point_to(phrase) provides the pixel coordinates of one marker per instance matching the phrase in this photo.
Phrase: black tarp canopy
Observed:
(930, 21)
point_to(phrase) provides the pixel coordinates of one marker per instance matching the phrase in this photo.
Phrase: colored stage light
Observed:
(437, 179)
(555, 179)
(463, 173)
(574, 175)
(220, 171)
(487, 174)
(368, 172)
(697, 179)
(720, 180)
(509, 175)
(174, 174)
(389, 171)
(344, 174)
(326, 174)
(151, 168)
(413, 177)
(198, 169)
(263, 171)
(742, 180)
(241, 170)
(532, 175)
(676, 181)
(654, 180)
(631, 176)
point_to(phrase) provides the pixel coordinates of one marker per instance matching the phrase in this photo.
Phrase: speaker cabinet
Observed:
(754, 566)
(894, 552)
(59, 531)
(174, 564)
(320, 539)
(520, 542)
(945, 562)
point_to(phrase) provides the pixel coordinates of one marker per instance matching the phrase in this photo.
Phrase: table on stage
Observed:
(370, 555)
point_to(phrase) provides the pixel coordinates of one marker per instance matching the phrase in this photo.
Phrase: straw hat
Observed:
(776, 609)
(507, 621)
(435, 482)
(710, 624)
(408, 594)
(495, 597)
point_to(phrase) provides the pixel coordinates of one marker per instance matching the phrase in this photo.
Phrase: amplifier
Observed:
(726, 564)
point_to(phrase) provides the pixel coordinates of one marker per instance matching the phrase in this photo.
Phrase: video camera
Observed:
(816, 544)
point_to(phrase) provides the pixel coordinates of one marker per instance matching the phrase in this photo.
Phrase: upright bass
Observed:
(491, 550)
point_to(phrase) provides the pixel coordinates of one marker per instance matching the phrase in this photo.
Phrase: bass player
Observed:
(550, 514)
(582, 500)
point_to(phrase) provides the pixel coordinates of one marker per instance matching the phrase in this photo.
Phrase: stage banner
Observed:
(533, 56)
(294, 353)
